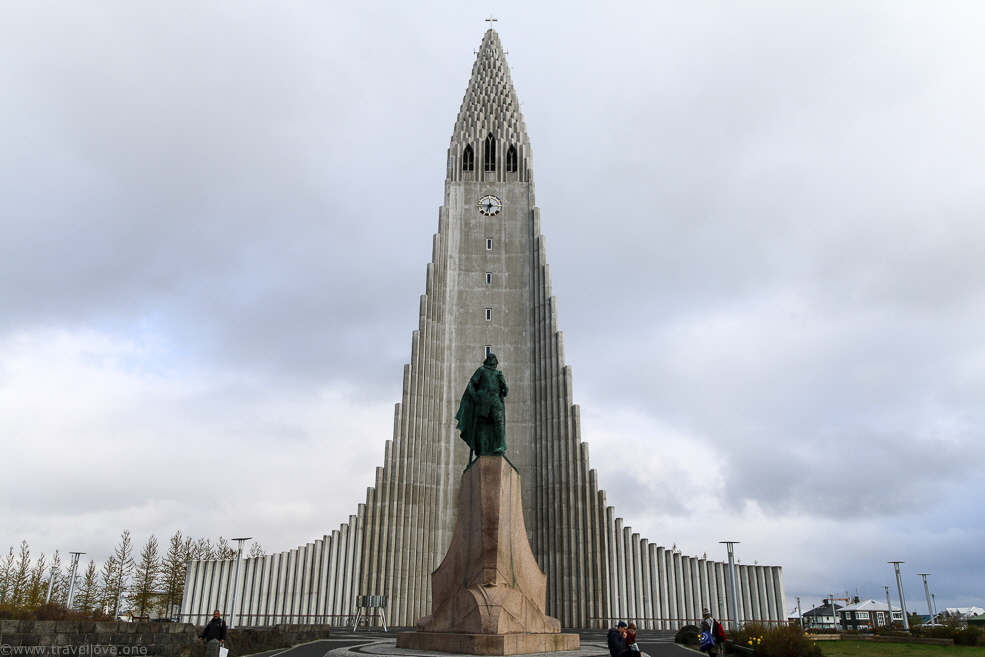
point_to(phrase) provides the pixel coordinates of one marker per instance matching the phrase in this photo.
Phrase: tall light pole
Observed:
(926, 589)
(800, 614)
(834, 612)
(889, 605)
(902, 600)
(51, 583)
(239, 559)
(71, 584)
(733, 584)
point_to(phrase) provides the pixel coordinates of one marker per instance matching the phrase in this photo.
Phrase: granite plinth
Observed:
(489, 581)
(489, 595)
(488, 644)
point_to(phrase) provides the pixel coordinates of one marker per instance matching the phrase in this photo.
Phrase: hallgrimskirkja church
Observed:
(488, 289)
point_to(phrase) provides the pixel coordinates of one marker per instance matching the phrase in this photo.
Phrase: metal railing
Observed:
(609, 621)
(269, 620)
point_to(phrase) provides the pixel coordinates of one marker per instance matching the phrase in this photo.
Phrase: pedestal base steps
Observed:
(487, 644)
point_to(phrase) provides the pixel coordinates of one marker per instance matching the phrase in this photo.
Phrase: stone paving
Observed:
(366, 644)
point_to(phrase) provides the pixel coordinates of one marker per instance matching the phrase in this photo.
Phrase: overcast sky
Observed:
(765, 222)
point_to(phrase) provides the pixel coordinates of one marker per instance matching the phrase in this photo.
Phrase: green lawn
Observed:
(873, 649)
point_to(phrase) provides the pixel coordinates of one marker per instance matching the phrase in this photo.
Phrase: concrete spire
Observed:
(490, 104)
(490, 127)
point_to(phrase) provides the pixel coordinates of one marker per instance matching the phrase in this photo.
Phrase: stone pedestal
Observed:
(488, 595)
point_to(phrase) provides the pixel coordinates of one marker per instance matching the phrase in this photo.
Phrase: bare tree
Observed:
(124, 559)
(224, 550)
(87, 596)
(256, 551)
(59, 580)
(37, 582)
(146, 577)
(173, 568)
(202, 549)
(108, 592)
(7, 577)
(21, 577)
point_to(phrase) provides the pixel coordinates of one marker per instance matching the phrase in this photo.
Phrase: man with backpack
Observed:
(715, 632)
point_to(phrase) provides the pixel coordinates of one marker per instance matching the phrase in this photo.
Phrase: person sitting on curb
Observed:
(630, 637)
(616, 640)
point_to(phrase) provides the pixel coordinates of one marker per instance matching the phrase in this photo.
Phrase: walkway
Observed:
(346, 643)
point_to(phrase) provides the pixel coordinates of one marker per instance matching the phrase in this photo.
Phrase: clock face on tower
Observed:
(489, 205)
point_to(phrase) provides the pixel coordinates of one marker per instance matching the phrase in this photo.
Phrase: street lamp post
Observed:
(239, 559)
(51, 583)
(834, 612)
(902, 600)
(736, 616)
(889, 605)
(800, 614)
(71, 584)
(926, 589)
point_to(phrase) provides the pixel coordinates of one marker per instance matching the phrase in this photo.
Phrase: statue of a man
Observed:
(481, 414)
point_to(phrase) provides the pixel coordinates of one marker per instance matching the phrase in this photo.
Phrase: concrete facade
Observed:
(488, 285)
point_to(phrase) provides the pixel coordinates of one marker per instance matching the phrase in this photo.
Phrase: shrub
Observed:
(962, 636)
(970, 636)
(688, 635)
(782, 641)
(890, 631)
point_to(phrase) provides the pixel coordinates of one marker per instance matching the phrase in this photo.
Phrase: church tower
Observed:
(487, 289)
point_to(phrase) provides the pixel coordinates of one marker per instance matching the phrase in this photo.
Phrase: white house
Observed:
(963, 613)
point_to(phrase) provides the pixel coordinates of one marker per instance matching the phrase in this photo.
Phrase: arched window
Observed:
(468, 159)
(511, 159)
(489, 154)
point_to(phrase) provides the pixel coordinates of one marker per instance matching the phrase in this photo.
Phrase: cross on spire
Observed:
(491, 20)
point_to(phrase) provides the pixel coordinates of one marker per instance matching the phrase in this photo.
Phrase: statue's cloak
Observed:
(476, 405)
(466, 418)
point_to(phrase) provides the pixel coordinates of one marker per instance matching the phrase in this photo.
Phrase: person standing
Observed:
(708, 624)
(214, 635)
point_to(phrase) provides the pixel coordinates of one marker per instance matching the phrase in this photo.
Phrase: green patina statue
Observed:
(481, 414)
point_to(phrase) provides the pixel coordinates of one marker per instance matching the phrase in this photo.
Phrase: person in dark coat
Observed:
(617, 640)
(214, 635)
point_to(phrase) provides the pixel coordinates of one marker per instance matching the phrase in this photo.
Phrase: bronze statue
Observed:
(481, 414)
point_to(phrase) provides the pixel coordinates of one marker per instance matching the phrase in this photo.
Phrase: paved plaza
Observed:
(346, 643)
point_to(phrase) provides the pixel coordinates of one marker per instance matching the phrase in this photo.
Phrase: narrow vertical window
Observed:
(511, 159)
(488, 314)
(488, 278)
(489, 154)
(488, 244)
(468, 159)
